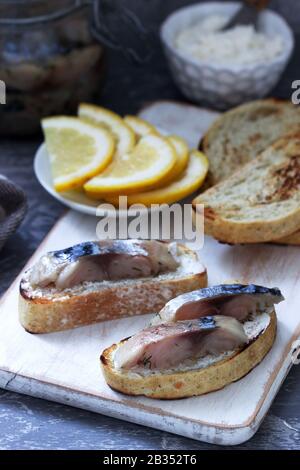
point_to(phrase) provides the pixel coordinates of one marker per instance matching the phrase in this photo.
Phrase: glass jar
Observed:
(49, 61)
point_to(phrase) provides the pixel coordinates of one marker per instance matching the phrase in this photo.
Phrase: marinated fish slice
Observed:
(235, 300)
(169, 344)
(105, 260)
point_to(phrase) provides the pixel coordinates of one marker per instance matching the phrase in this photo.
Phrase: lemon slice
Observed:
(139, 126)
(182, 153)
(186, 184)
(123, 134)
(151, 159)
(77, 150)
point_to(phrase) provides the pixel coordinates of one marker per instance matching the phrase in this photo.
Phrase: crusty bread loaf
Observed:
(45, 310)
(187, 381)
(260, 202)
(242, 133)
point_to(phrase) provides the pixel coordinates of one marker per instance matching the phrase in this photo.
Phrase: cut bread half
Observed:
(293, 239)
(199, 376)
(260, 202)
(242, 133)
(48, 309)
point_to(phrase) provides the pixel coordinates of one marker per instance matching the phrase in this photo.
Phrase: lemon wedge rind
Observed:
(77, 150)
(139, 126)
(182, 154)
(151, 159)
(124, 136)
(191, 180)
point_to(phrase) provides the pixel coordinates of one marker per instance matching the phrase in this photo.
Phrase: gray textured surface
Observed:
(28, 423)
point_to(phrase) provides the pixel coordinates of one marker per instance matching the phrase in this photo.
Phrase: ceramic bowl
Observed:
(222, 86)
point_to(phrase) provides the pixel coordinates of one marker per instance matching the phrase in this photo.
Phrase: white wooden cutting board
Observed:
(64, 367)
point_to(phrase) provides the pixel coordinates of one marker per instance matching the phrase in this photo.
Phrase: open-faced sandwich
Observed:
(104, 280)
(198, 343)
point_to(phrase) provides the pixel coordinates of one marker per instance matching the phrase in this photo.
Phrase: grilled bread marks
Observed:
(284, 180)
(288, 179)
(260, 202)
(264, 111)
(241, 134)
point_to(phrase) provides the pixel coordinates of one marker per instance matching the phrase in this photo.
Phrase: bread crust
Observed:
(63, 311)
(293, 239)
(279, 106)
(270, 225)
(193, 382)
(232, 232)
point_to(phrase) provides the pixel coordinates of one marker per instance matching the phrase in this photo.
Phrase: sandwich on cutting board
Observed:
(255, 166)
(103, 280)
(199, 342)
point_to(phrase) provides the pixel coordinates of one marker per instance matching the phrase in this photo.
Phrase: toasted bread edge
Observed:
(193, 382)
(46, 315)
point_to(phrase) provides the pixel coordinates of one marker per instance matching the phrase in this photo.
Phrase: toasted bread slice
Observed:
(241, 134)
(293, 239)
(195, 377)
(44, 310)
(260, 202)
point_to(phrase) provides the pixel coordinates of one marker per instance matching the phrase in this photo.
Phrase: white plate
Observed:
(75, 199)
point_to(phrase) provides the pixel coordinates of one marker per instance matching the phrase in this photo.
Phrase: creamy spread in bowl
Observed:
(204, 41)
